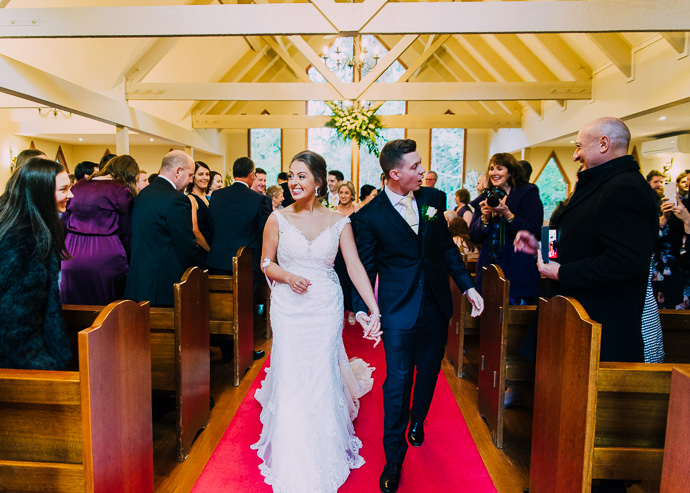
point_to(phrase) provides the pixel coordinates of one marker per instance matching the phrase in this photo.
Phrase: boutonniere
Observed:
(429, 213)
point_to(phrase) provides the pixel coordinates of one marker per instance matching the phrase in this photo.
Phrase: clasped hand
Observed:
(371, 325)
(298, 284)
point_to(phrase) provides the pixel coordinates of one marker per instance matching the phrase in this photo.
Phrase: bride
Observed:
(308, 443)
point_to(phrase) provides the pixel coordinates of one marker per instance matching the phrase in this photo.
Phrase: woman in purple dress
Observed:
(98, 234)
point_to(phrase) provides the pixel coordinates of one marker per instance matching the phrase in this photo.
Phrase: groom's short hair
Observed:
(392, 154)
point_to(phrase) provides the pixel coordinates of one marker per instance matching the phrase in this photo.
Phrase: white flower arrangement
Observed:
(357, 122)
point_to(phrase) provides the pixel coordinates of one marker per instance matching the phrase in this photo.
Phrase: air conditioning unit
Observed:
(667, 145)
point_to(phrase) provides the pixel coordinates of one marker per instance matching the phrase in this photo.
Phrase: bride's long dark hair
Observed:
(317, 166)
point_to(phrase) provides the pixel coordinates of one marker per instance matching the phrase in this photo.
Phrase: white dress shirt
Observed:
(396, 200)
(333, 199)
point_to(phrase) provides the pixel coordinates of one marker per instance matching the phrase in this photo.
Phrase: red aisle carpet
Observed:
(448, 460)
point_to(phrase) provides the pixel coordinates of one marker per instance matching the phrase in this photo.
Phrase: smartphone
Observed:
(548, 244)
(671, 192)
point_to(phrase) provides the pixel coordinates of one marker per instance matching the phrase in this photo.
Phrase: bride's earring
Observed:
(316, 191)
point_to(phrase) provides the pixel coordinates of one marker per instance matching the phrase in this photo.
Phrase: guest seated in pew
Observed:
(606, 234)
(163, 241)
(461, 235)
(507, 206)
(98, 234)
(32, 331)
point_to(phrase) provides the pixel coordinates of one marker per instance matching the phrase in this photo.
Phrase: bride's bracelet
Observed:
(375, 315)
(266, 263)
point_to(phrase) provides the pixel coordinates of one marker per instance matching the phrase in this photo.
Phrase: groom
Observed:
(402, 236)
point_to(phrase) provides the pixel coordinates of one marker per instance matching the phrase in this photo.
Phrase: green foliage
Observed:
(552, 187)
(265, 152)
(447, 152)
(356, 122)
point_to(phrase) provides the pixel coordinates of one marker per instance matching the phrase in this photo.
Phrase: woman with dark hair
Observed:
(309, 444)
(463, 210)
(196, 191)
(461, 235)
(509, 205)
(98, 234)
(32, 331)
(366, 193)
(215, 182)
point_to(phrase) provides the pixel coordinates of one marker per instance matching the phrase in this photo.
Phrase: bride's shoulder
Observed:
(334, 216)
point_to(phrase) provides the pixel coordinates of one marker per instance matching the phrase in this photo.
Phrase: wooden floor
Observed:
(509, 467)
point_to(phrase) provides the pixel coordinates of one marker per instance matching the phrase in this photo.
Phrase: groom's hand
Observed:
(476, 300)
(371, 325)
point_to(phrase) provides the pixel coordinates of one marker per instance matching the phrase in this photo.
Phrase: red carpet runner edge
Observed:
(448, 460)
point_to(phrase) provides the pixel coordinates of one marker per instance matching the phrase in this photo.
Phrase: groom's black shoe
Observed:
(415, 434)
(390, 478)
(259, 354)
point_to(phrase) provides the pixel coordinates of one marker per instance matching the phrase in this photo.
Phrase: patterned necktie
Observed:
(410, 215)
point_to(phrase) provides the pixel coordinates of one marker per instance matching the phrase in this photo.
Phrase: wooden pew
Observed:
(675, 325)
(231, 313)
(180, 353)
(502, 331)
(88, 430)
(460, 325)
(676, 467)
(592, 420)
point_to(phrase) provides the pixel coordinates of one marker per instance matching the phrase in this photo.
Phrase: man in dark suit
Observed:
(238, 215)
(606, 234)
(402, 236)
(163, 241)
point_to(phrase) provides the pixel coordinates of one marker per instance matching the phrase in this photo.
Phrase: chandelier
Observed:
(46, 112)
(361, 59)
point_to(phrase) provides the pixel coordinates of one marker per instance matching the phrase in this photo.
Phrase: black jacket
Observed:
(606, 234)
(408, 263)
(163, 243)
(32, 330)
(238, 216)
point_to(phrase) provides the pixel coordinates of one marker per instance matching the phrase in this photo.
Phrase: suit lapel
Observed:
(397, 220)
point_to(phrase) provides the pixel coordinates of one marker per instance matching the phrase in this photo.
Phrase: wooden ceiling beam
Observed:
(617, 49)
(547, 16)
(390, 121)
(679, 41)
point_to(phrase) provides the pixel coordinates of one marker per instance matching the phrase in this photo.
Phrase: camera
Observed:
(493, 196)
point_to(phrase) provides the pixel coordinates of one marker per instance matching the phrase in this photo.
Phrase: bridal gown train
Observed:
(310, 394)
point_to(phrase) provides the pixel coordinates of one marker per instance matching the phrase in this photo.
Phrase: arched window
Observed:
(264, 149)
(447, 160)
(553, 184)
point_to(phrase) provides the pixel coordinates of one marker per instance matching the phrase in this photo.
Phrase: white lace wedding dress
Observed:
(311, 391)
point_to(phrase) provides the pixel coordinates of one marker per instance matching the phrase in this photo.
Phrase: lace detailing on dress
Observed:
(307, 443)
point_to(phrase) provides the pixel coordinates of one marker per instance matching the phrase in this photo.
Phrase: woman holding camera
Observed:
(508, 205)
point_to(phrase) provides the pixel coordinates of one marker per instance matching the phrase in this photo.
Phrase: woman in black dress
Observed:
(200, 222)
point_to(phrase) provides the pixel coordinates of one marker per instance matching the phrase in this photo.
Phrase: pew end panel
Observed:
(115, 367)
(676, 465)
(243, 264)
(568, 345)
(502, 330)
(95, 430)
(192, 358)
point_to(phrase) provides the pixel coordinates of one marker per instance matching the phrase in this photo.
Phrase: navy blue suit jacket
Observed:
(408, 263)
(237, 215)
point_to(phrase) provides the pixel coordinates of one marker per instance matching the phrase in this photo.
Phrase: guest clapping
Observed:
(98, 234)
(509, 205)
(32, 330)
(196, 191)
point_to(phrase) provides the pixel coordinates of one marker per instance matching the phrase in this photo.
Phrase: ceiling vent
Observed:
(667, 145)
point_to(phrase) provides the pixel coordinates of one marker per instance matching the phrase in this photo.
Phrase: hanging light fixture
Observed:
(361, 59)
(46, 112)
